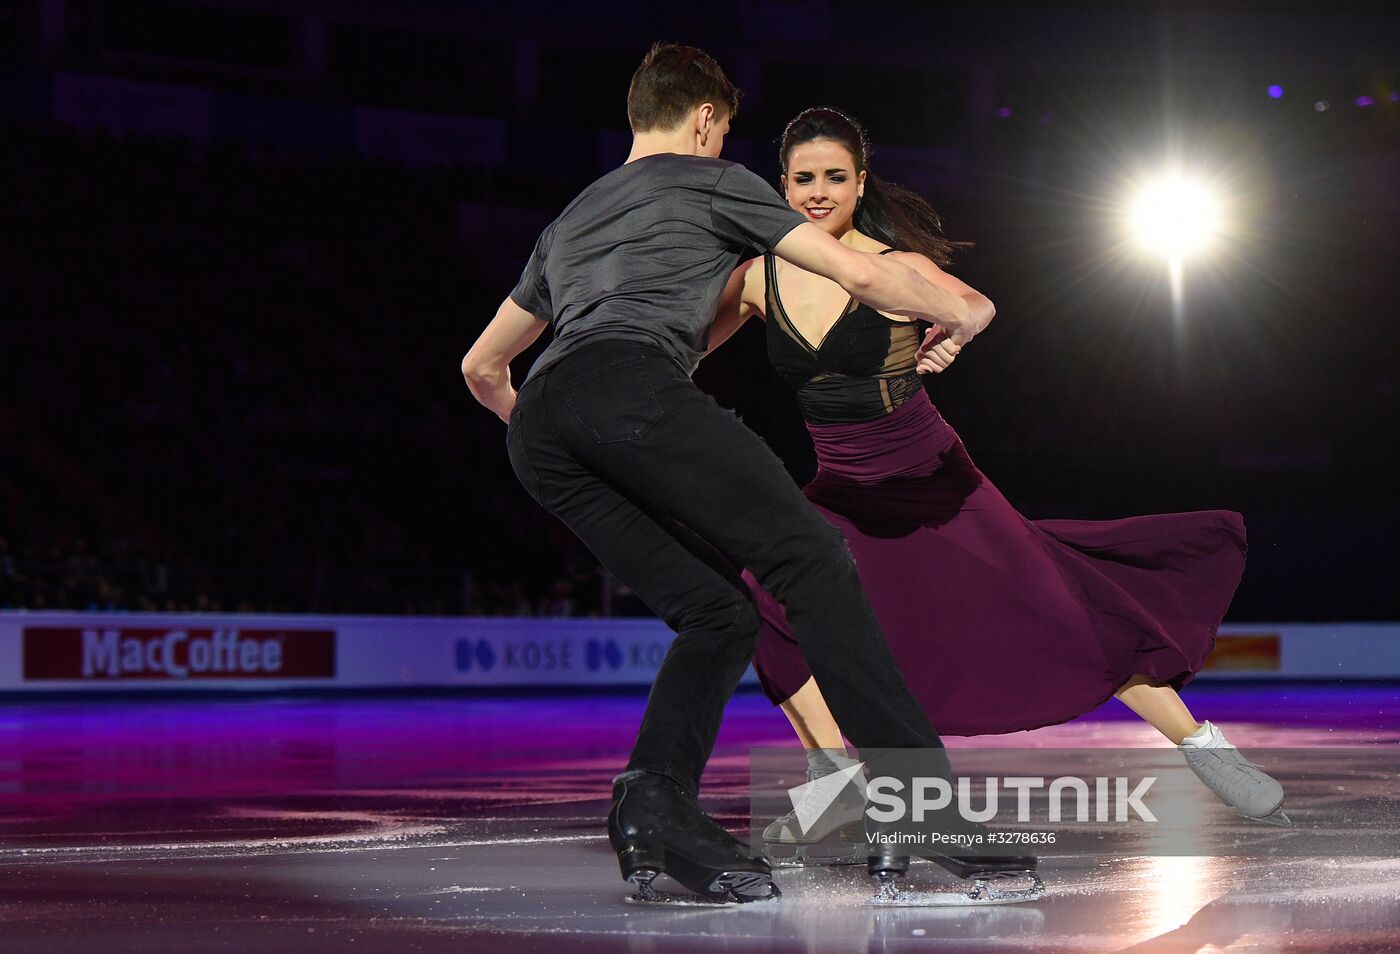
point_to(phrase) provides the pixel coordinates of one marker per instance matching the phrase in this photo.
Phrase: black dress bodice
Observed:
(863, 369)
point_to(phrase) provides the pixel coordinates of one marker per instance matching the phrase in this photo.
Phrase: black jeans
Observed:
(659, 481)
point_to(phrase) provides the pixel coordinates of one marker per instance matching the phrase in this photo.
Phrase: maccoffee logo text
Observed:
(106, 653)
(177, 654)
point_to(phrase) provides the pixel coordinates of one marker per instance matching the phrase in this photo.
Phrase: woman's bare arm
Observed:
(742, 299)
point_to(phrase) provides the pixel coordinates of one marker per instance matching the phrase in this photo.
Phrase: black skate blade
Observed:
(727, 889)
(652, 896)
(985, 869)
(985, 891)
(746, 887)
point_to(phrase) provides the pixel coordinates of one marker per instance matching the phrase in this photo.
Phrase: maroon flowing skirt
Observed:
(1000, 623)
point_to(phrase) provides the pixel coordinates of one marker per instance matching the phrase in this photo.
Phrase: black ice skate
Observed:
(657, 828)
(995, 879)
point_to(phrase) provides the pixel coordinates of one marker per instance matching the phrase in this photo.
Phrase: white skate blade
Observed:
(983, 892)
(1275, 817)
(815, 856)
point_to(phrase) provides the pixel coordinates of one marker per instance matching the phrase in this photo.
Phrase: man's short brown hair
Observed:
(672, 81)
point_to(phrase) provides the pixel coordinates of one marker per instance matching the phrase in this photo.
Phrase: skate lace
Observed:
(815, 798)
(1241, 766)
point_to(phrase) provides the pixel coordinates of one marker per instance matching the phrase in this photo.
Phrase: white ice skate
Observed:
(826, 825)
(1239, 783)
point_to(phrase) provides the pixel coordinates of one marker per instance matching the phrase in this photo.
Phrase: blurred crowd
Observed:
(231, 383)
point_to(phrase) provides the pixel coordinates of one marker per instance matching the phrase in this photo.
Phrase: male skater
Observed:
(610, 434)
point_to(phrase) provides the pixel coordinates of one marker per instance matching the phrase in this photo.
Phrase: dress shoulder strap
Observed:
(770, 284)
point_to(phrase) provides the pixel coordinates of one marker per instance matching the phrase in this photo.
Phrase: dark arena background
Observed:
(290, 661)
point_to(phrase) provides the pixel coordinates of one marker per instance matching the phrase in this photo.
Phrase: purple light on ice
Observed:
(1364, 101)
(1276, 92)
(1004, 112)
(1393, 96)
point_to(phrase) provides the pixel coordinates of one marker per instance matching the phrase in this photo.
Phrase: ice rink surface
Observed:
(475, 824)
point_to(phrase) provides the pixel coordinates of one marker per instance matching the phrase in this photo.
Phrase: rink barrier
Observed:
(64, 652)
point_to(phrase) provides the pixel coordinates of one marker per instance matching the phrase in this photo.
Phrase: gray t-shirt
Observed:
(644, 254)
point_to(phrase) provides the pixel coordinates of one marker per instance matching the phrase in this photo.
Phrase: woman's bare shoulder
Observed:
(754, 293)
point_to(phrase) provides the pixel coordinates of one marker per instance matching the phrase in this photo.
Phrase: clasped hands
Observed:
(937, 351)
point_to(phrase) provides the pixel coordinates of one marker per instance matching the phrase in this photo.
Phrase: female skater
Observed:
(998, 623)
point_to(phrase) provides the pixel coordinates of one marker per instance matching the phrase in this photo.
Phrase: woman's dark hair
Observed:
(894, 215)
(672, 81)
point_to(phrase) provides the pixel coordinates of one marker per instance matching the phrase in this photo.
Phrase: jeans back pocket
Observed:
(615, 402)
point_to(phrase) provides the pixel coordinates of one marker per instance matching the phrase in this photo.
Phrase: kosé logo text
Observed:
(475, 655)
(529, 655)
(603, 652)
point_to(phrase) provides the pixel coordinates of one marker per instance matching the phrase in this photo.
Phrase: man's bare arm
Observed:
(981, 311)
(487, 365)
(876, 280)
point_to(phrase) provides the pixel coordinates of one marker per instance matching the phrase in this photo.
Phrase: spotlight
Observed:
(1276, 92)
(1174, 217)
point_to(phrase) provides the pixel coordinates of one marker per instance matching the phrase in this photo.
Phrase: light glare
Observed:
(1175, 217)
